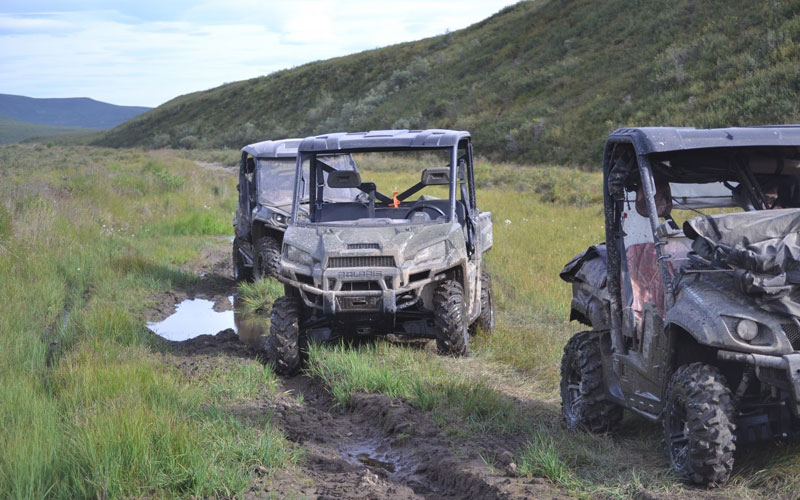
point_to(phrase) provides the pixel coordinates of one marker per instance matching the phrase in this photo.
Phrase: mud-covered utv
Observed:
(408, 262)
(266, 188)
(694, 298)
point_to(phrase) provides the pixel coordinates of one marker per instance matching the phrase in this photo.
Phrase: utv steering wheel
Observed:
(424, 206)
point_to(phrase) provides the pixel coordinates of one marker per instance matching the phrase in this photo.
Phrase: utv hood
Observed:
(762, 247)
(402, 241)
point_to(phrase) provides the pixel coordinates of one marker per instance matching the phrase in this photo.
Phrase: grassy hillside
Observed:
(68, 112)
(539, 81)
(15, 131)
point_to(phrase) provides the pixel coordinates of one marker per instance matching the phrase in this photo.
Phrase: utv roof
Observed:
(648, 140)
(383, 140)
(284, 148)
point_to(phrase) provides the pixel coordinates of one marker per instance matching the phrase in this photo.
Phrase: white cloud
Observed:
(119, 57)
(31, 24)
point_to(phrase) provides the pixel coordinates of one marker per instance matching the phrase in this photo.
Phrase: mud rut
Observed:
(376, 448)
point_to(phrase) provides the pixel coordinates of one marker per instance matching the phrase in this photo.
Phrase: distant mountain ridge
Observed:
(16, 131)
(543, 81)
(67, 112)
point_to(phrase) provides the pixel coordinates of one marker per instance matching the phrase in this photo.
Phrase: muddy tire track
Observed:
(382, 447)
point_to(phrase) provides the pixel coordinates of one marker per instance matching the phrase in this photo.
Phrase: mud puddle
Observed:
(377, 454)
(192, 318)
(368, 454)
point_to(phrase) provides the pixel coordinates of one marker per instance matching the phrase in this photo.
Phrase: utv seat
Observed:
(333, 212)
(645, 274)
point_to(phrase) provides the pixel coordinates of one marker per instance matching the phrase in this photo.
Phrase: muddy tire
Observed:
(267, 257)
(584, 404)
(240, 271)
(282, 346)
(452, 336)
(699, 425)
(485, 322)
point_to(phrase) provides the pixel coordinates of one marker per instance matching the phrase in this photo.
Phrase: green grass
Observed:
(256, 297)
(540, 457)
(87, 407)
(542, 81)
(418, 376)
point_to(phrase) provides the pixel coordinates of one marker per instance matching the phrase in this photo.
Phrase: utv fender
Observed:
(587, 272)
(260, 230)
(572, 270)
(701, 323)
(702, 309)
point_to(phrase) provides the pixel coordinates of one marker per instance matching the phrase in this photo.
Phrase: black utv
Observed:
(693, 301)
(266, 188)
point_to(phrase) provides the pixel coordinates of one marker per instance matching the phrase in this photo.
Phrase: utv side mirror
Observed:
(344, 179)
(436, 176)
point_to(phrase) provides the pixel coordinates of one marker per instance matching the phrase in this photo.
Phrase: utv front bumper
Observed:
(780, 371)
(359, 290)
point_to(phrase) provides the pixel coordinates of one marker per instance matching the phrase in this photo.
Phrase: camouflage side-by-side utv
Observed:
(266, 187)
(695, 325)
(408, 263)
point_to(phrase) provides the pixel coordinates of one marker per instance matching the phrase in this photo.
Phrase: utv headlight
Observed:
(296, 255)
(433, 252)
(279, 218)
(747, 329)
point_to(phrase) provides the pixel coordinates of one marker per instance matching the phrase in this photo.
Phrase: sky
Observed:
(148, 51)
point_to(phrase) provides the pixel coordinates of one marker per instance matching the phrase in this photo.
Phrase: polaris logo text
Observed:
(367, 273)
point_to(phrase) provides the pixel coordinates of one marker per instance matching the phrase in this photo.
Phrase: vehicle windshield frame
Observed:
(303, 194)
(267, 165)
(266, 168)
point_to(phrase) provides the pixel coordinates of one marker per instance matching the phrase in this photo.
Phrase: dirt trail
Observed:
(376, 448)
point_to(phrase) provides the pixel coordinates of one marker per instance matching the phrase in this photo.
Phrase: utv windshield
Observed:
(395, 187)
(276, 179)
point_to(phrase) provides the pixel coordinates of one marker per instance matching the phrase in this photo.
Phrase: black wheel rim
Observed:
(678, 434)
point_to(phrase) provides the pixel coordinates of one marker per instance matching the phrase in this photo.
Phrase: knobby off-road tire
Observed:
(267, 257)
(584, 404)
(485, 322)
(240, 271)
(699, 425)
(285, 339)
(452, 336)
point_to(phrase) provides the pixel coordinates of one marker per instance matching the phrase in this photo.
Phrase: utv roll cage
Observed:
(385, 141)
(687, 155)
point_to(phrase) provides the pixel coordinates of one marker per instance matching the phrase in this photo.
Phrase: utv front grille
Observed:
(792, 332)
(363, 246)
(362, 261)
(360, 303)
